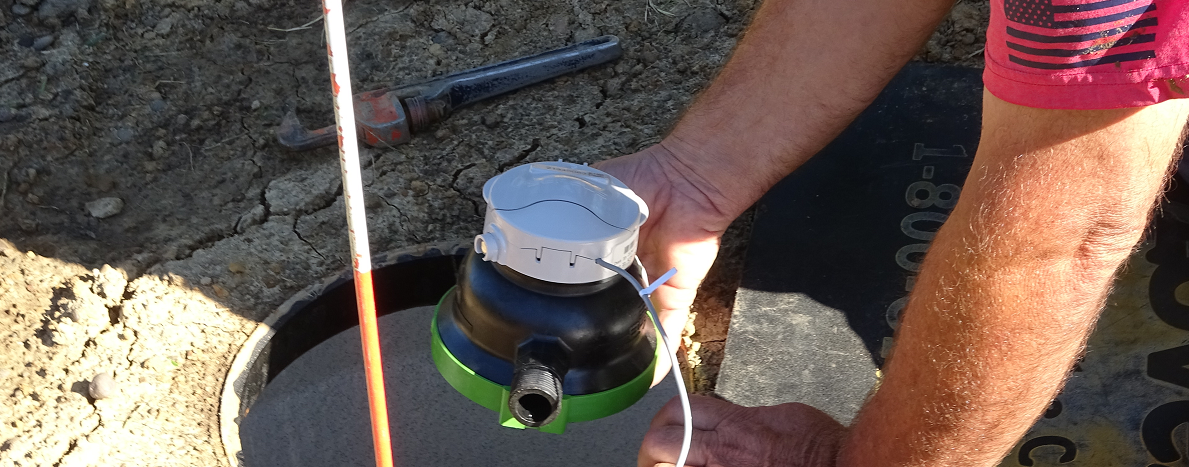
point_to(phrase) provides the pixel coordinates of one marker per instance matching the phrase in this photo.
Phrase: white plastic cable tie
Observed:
(658, 282)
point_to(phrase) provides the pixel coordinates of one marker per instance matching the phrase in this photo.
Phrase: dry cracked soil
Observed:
(149, 220)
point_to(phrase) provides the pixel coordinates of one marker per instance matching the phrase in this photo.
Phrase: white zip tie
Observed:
(658, 282)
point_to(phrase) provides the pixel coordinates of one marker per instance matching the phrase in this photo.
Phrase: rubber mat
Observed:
(834, 252)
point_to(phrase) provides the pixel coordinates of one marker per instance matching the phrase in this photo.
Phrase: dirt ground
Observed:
(148, 219)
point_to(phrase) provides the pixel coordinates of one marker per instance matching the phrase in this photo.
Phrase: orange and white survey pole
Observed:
(361, 257)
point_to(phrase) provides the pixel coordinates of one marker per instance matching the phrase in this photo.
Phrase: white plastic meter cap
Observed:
(551, 220)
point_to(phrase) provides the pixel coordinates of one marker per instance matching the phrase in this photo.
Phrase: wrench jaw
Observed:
(295, 137)
(381, 119)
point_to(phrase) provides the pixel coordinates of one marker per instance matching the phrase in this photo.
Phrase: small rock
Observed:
(703, 20)
(419, 188)
(159, 148)
(237, 267)
(102, 386)
(27, 225)
(157, 105)
(104, 208)
(250, 218)
(473, 22)
(221, 291)
(649, 56)
(559, 24)
(21, 10)
(41, 43)
(205, 280)
(31, 63)
(256, 105)
(163, 27)
(125, 134)
(613, 86)
(491, 121)
(436, 50)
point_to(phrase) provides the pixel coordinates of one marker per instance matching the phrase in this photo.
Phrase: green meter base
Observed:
(573, 408)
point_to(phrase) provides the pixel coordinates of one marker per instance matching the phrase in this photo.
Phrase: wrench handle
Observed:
(474, 85)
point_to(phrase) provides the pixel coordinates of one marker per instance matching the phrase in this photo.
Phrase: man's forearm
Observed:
(1014, 281)
(801, 73)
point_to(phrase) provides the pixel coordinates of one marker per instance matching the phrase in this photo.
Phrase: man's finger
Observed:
(673, 322)
(661, 446)
(707, 412)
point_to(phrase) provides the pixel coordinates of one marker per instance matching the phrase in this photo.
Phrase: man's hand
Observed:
(728, 435)
(797, 78)
(683, 229)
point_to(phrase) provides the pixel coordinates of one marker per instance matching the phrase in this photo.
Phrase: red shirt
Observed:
(1088, 54)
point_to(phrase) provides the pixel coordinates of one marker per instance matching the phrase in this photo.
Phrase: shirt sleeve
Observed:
(1087, 54)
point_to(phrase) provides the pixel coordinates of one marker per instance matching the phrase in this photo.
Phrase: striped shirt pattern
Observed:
(1062, 35)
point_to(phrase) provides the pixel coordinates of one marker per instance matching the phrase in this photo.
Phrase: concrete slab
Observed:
(314, 413)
